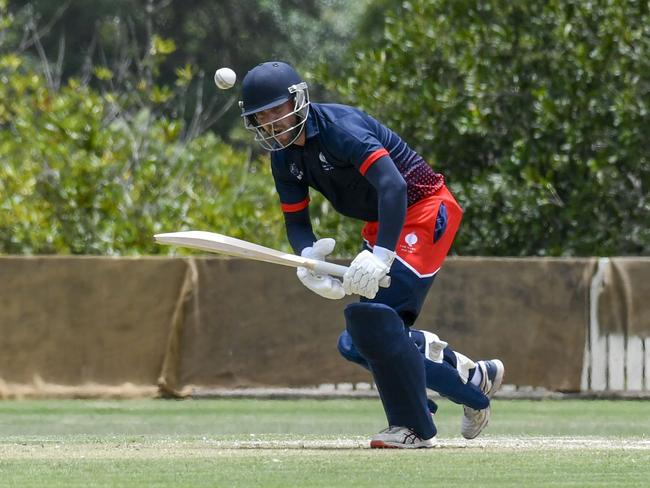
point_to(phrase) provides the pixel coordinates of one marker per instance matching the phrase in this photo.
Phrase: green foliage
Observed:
(204, 34)
(97, 166)
(537, 113)
(79, 178)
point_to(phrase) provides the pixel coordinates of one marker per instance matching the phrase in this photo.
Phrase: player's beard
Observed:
(287, 138)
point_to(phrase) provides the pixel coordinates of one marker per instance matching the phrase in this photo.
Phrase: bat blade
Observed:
(231, 246)
(219, 243)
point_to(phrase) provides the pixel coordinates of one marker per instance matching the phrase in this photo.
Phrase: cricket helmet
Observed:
(269, 85)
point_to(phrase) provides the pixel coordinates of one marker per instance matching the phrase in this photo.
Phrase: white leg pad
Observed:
(433, 346)
(433, 350)
(464, 365)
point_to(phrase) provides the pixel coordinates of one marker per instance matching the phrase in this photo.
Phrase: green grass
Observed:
(245, 443)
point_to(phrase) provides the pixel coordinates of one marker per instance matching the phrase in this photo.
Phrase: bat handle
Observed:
(323, 267)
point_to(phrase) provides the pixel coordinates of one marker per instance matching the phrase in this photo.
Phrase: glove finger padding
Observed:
(323, 285)
(364, 274)
(321, 248)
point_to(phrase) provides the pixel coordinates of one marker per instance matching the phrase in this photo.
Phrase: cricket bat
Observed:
(221, 244)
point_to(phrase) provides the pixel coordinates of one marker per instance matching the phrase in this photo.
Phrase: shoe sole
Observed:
(481, 427)
(390, 445)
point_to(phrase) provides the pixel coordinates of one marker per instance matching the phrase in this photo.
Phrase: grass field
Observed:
(304, 443)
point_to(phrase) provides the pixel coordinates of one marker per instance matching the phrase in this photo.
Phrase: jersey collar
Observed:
(311, 128)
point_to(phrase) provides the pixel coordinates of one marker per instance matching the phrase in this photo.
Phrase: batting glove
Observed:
(323, 285)
(366, 271)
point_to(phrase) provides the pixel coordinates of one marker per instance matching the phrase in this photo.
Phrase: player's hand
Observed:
(323, 285)
(366, 271)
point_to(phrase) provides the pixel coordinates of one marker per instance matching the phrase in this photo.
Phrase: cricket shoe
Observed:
(399, 438)
(474, 421)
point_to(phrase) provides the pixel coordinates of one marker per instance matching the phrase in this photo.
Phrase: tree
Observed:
(537, 112)
(206, 35)
(96, 164)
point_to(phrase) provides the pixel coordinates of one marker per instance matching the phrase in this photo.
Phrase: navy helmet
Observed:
(269, 85)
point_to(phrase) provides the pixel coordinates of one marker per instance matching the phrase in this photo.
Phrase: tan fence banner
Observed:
(624, 305)
(232, 323)
(618, 354)
(72, 320)
(532, 313)
(254, 324)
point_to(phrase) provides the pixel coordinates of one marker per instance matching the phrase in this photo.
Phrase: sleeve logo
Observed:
(295, 171)
(324, 163)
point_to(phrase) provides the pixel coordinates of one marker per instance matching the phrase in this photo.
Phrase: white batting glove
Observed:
(323, 285)
(366, 271)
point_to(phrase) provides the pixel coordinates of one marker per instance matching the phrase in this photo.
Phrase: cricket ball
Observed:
(224, 78)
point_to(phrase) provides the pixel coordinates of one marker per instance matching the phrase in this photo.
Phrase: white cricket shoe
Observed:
(474, 421)
(399, 438)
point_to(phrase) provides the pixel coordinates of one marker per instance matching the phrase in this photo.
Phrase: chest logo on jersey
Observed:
(324, 163)
(295, 171)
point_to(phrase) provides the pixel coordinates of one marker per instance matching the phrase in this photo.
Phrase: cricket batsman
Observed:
(368, 172)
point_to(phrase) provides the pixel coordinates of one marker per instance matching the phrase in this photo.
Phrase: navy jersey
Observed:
(341, 144)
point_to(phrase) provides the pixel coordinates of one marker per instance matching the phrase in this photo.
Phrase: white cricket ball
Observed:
(224, 78)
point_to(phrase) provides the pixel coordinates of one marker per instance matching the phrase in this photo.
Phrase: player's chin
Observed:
(285, 138)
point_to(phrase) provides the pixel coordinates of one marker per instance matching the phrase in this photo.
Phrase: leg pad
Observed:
(376, 330)
(380, 337)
